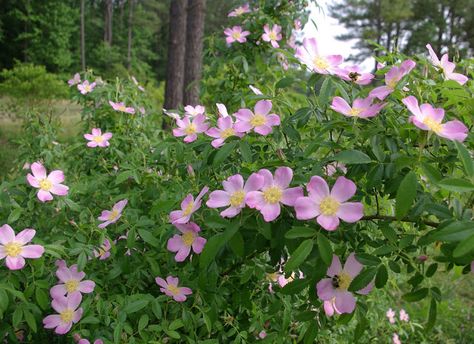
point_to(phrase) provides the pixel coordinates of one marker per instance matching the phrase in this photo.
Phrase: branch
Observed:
(393, 218)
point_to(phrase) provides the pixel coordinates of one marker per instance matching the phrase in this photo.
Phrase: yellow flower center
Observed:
(341, 281)
(272, 277)
(71, 285)
(101, 252)
(329, 206)
(227, 133)
(189, 209)
(122, 108)
(190, 129)
(272, 35)
(239, 11)
(173, 289)
(87, 88)
(45, 184)
(237, 198)
(258, 120)
(98, 139)
(272, 194)
(113, 215)
(236, 35)
(433, 125)
(392, 83)
(13, 249)
(188, 238)
(67, 315)
(321, 62)
(355, 112)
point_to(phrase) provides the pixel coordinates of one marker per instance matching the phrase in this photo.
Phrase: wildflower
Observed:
(297, 24)
(170, 288)
(97, 139)
(272, 35)
(404, 316)
(75, 80)
(189, 127)
(234, 193)
(235, 34)
(428, 118)
(262, 334)
(261, 122)
(222, 110)
(362, 107)
(309, 55)
(47, 184)
(391, 316)
(355, 75)
(188, 206)
(334, 289)
(332, 168)
(104, 251)
(171, 114)
(72, 281)
(446, 67)
(392, 78)
(137, 84)
(225, 129)
(14, 249)
(121, 107)
(85, 87)
(274, 191)
(193, 111)
(26, 166)
(330, 307)
(396, 339)
(85, 341)
(329, 206)
(239, 11)
(68, 313)
(111, 216)
(255, 90)
(182, 244)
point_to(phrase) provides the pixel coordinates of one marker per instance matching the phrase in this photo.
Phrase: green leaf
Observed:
(431, 315)
(405, 195)
(325, 249)
(245, 151)
(143, 322)
(17, 316)
(176, 324)
(363, 279)
(311, 333)
(325, 91)
(123, 176)
(148, 237)
(294, 287)
(466, 159)
(464, 247)
(81, 261)
(215, 243)
(236, 243)
(352, 157)
(456, 185)
(14, 215)
(135, 306)
(223, 153)
(416, 295)
(367, 259)
(455, 231)
(72, 205)
(431, 172)
(300, 232)
(299, 255)
(381, 277)
(30, 320)
(284, 82)
(4, 300)
(41, 298)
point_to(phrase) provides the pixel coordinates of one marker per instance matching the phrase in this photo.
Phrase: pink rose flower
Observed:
(262, 334)
(274, 191)
(391, 316)
(239, 11)
(112, 216)
(446, 67)
(14, 249)
(255, 90)
(362, 107)
(261, 122)
(404, 316)
(68, 313)
(272, 35)
(330, 307)
(188, 207)
(85, 341)
(331, 168)
(355, 75)
(75, 80)
(392, 78)
(309, 55)
(47, 184)
(190, 127)
(85, 87)
(235, 34)
(104, 251)
(170, 288)
(97, 139)
(182, 244)
(428, 118)
(121, 107)
(396, 339)
(234, 194)
(193, 111)
(334, 289)
(71, 282)
(225, 129)
(329, 206)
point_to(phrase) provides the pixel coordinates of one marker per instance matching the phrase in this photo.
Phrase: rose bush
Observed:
(232, 225)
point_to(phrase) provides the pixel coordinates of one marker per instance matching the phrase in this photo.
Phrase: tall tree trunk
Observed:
(83, 38)
(109, 12)
(193, 60)
(130, 31)
(176, 51)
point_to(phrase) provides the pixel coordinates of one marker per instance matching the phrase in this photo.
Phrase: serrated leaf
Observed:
(416, 295)
(406, 195)
(456, 185)
(299, 255)
(300, 232)
(223, 153)
(363, 279)
(325, 249)
(352, 157)
(135, 306)
(148, 237)
(215, 243)
(245, 151)
(464, 247)
(30, 320)
(14, 215)
(466, 159)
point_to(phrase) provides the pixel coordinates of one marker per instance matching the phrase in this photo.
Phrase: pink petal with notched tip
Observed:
(306, 208)
(253, 183)
(329, 223)
(44, 196)
(38, 170)
(350, 212)
(59, 189)
(325, 289)
(343, 189)
(198, 244)
(290, 195)
(454, 130)
(345, 302)
(317, 188)
(352, 266)
(7, 234)
(15, 263)
(233, 183)
(270, 211)
(335, 268)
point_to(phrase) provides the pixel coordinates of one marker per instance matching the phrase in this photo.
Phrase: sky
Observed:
(326, 32)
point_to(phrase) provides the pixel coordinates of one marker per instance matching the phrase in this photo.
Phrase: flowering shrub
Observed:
(233, 233)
